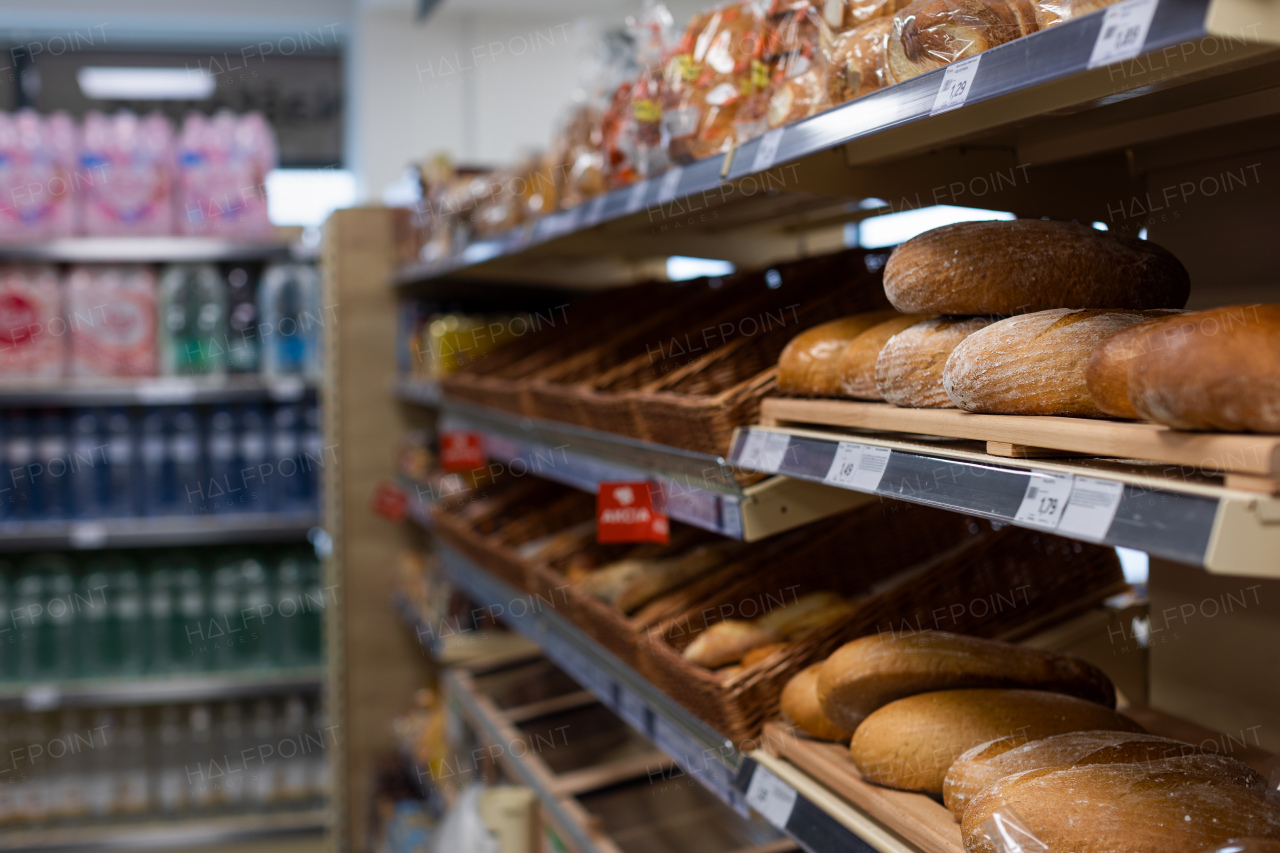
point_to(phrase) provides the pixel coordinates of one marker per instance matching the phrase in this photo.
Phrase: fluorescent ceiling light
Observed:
(109, 83)
(682, 268)
(893, 228)
(307, 196)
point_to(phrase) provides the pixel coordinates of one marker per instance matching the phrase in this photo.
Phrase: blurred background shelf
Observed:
(153, 391)
(152, 250)
(159, 532)
(172, 834)
(161, 689)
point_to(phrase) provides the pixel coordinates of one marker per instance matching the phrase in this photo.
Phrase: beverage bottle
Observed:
(255, 474)
(160, 615)
(299, 581)
(291, 608)
(93, 631)
(33, 795)
(242, 321)
(130, 764)
(100, 781)
(320, 756)
(120, 458)
(258, 615)
(51, 481)
(126, 637)
(230, 742)
(20, 454)
(90, 481)
(193, 321)
(55, 633)
(8, 634)
(154, 494)
(289, 304)
(312, 462)
(6, 481)
(287, 480)
(226, 628)
(112, 318)
(191, 646)
(224, 493)
(203, 768)
(295, 784)
(30, 307)
(28, 622)
(171, 761)
(263, 782)
(67, 780)
(186, 473)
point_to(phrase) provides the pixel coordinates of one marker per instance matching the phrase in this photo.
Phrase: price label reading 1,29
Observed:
(957, 82)
(1124, 32)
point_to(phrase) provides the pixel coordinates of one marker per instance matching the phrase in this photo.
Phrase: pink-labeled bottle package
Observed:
(222, 171)
(38, 179)
(112, 317)
(127, 164)
(33, 330)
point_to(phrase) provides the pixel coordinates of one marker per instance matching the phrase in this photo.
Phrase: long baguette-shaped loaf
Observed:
(1107, 373)
(911, 743)
(989, 763)
(870, 672)
(808, 364)
(1119, 808)
(857, 364)
(1026, 265)
(909, 368)
(1033, 364)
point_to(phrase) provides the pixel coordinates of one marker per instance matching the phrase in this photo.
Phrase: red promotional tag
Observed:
(625, 512)
(389, 501)
(461, 451)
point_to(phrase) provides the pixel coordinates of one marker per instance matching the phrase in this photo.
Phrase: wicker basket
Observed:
(1019, 576)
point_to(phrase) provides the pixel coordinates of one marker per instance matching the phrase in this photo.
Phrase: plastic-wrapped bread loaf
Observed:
(930, 34)
(809, 363)
(870, 672)
(1026, 265)
(857, 364)
(1033, 364)
(1117, 808)
(1106, 376)
(847, 14)
(911, 743)
(800, 706)
(989, 763)
(909, 367)
(856, 61)
(1214, 370)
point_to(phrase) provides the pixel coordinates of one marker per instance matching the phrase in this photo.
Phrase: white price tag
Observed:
(1092, 508)
(750, 455)
(858, 466)
(87, 535)
(1124, 31)
(670, 184)
(771, 797)
(1045, 499)
(957, 80)
(41, 697)
(767, 152)
(635, 198)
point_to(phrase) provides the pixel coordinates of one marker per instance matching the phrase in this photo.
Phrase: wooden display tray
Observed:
(923, 822)
(1248, 461)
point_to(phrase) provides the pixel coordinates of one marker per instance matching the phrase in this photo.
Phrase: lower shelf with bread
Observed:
(1164, 509)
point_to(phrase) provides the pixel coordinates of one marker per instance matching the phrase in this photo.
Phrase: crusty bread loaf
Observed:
(800, 706)
(1119, 808)
(929, 34)
(1216, 370)
(1033, 364)
(856, 61)
(808, 363)
(909, 367)
(989, 763)
(912, 742)
(727, 641)
(857, 364)
(1107, 374)
(873, 671)
(1025, 265)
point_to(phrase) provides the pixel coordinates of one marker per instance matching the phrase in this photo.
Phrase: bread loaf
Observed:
(857, 364)
(856, 61)
(1107, 373)
(873, 671)
(912, 742)
(989, 763)
(847, 14)
(729, 640)
(909, 368)
(1033, 364)
(929, 34)
(800, 706)
(1025, 265)
(1119, 808)
(1216, 370)
(808, 364)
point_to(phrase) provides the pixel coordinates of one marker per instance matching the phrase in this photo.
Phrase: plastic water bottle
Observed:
(193, 321)
(312, 461)
(242, 321)
(161, 612)
(126, 638)
(224, 493)
(120, 459)
(289, 486)
(152, 487)
(90, 481)
(8, 642)
(190, 644)
(20, 453)
(187, 484)
(92, 621)
(225, 628)
(51, 482)
(289, 304)
(254, 474)
(257, 614)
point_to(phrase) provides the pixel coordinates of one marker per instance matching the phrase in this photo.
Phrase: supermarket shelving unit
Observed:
(159, 835)
(152, 250)
(158, 532)
(1046, 130)
(161, 689)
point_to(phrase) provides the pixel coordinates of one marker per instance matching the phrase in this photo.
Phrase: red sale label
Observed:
(389, 501)
(461, 451)
(630, 512)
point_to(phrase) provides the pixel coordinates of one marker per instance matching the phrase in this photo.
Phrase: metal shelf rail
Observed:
(160, 689)
(158, 532)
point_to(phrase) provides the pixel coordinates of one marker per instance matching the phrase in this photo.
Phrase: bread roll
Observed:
(909, 368)
(1033, 364)
(856, 65)
(1121, 808)
(1025, 265)
(989, 763)
(857, 364)
(800, 706)
(929, 34)
(808, 364)
(1107, 373)
(873, 671)
(761, 652)
(727, 641)
(911, 743)
(1216, 370)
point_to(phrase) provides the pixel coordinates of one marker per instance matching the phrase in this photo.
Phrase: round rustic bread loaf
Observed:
(1107, 373)
(912, 742)
(808, 365)
(989, 763)
(909, 367)
(1025, 265)
(800, 706)
(1119, 808)
(1215, 370)
(1033, 364)
(857, 364)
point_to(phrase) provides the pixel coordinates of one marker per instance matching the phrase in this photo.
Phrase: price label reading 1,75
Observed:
(957, 82)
